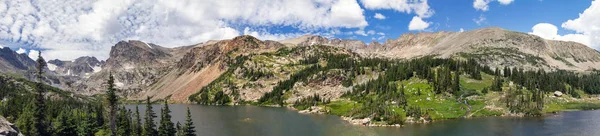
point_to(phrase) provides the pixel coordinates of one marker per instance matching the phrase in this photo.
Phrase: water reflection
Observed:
(269, 121)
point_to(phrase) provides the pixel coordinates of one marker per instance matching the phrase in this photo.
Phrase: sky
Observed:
(67, 29)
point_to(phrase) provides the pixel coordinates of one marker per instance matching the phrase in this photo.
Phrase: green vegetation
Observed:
(420, 89)
(71, 114)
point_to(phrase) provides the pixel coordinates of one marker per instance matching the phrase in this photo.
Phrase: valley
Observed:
(417, 78)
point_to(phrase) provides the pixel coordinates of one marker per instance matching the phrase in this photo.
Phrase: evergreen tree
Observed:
(179, 129)
(149, 126)
(456, 85)
(188, 128)
(124, 122)
(64, 125)
(39, 113)
(112, 99)
(137, 124)
(85, 124)
(25, 121)
(166, 127)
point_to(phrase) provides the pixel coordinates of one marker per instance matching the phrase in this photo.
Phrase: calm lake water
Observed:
(270, 121)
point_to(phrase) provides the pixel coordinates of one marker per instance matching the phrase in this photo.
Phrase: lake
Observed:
(272, 121)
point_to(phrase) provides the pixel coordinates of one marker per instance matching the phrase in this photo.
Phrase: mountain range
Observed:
(144, 69)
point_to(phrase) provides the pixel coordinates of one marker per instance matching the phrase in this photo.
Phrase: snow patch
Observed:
(52, 67)
(128, 67)
(96, 68)
(147, 45)
(69, 72)
(119, 84)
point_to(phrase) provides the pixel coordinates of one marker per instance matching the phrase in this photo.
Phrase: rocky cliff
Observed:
(8, 129)
(80, 67)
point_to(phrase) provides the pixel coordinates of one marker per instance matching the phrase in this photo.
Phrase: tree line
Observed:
(86, 116)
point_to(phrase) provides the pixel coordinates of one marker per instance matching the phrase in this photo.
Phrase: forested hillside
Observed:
(391, 91)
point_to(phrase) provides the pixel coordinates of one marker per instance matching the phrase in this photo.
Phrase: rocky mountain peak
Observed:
(308, 40)
(81, 67)
(11, 61)
(132, 53)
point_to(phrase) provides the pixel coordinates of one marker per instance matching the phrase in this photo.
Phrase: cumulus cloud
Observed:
(588, 24)
(419, 7)
(21, 51)
(483, 4)
(68, 29)
(461, 30)
(586, 27)
(379, 16)
(549, 31)
(33, 54)
(418, 24)
(264, 35)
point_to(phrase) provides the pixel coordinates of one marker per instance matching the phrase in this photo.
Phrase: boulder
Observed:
(558, 93)
(8, 129)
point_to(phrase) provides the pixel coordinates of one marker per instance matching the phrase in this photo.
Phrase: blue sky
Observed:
(73, 28)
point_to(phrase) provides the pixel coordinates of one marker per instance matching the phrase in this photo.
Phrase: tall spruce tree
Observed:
(25, 121)
(189, 128)
(149, 126)
(166, 128)
(112, 99)
(179, 129)
(456, 84)
(124, 122)
(137, 124)
(39, 114)
(64, 125)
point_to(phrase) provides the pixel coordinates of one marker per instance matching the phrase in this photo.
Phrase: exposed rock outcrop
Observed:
(80, 67)
(8, 129)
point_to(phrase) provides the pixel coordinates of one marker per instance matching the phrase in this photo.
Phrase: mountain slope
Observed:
(142, 69)
(495, 47)
(11, 61)
(203, 64)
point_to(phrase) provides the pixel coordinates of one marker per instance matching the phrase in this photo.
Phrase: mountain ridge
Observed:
(144, 69)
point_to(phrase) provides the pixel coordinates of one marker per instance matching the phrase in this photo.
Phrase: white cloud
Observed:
(419, 7)
(417, 24)
(586, 27)
(67, 29)
(263, 35)
(479, 20)
(21, 51)
(379, 16)
(33, 54)
(483, 4)
(549, 31)
(461, 30)
(505, 2)
(1, 46)
(588, 24)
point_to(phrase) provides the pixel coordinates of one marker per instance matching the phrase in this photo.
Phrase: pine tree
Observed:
(137, 124)
(84, 124)
(39, 113)
(188, 128)
(179, 129)
(25, 121)
(456, 85)
(166, 127)
(64, 125)
(124, 122)
(149, 126)
(112, 98)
